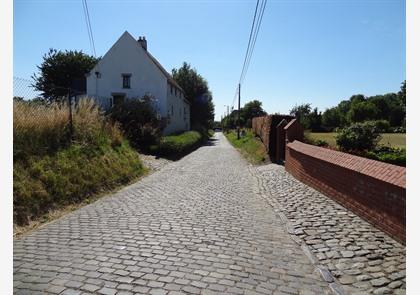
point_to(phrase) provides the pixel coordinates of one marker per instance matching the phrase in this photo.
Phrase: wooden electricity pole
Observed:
(239, 110)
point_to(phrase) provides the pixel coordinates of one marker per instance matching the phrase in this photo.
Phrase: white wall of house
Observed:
(178, 111)
(127, 57)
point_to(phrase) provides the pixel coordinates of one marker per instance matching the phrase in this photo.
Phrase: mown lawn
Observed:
(249, 146)
(396, 140)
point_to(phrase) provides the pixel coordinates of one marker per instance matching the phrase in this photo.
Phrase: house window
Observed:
(172, 110)
(172, 89)
(126, 80)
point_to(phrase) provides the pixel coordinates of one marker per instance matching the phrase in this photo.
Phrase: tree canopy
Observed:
(388, 107)
(61, 72)
(198, 94)
(250, 110)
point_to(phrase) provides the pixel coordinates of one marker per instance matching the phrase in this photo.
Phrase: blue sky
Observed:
(314, 51)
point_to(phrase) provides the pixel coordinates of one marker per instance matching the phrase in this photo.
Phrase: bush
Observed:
(382, 126)
(400, 129)
(388, 154)
(176, 145)
(138, 122)
(358, 137)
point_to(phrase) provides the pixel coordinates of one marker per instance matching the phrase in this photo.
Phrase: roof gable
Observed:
(127, 35)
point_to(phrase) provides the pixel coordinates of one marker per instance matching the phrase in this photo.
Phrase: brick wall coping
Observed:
(383, 171)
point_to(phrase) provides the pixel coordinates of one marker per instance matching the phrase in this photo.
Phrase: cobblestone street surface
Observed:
(154, 163)
(199, 225)
(363, 259)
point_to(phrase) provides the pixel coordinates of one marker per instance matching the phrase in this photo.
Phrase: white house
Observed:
(129, 71)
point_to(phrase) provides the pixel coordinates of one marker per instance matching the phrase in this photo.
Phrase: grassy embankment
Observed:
(249, 146)
(52, 172)
(396, 140)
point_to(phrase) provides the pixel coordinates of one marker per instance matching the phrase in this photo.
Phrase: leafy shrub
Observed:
(358, 137)
(320, 142)
(388, 154)
(400, 129)
(382, 126)
(138, 122)
(183, 143)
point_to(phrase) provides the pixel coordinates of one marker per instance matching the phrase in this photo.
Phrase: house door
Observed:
(118, 99)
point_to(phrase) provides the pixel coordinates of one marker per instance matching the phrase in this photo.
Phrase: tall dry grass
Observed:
(39, 129)
(43, 129)
(52, 169)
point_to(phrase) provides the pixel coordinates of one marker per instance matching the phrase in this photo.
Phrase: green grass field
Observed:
(390, 139)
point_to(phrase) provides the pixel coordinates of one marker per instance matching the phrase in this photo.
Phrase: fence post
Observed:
(70, 115)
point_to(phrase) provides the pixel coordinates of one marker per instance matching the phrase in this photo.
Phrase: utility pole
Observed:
(239, 109)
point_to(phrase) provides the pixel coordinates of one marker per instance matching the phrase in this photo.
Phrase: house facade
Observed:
(129, 71)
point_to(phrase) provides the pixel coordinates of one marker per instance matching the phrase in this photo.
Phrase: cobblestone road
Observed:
(196, 226)
(362, 258)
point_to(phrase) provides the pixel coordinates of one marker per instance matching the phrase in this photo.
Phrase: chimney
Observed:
(143, 42)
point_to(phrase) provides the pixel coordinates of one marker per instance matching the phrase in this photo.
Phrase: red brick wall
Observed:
(265, 128)
(373, 190)
(294, 131)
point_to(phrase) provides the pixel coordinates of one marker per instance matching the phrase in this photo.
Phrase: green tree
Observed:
(251, 110)
(362, 111)
(310, 119)
(401, 93)
(198, 94)
(315, 120)
(301, 113)
(61, 71)
(331, 117)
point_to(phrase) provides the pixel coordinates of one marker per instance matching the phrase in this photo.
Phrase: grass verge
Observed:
(249, 146)
(176, 146)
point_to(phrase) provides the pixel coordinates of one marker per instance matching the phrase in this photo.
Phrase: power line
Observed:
(249, 39)
(260, 16)
(89, 27)
(255, 28)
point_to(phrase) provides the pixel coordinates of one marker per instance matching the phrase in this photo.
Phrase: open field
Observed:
(390, 139)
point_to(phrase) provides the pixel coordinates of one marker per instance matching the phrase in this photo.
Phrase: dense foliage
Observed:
(389, 107)
(138, 121)
(358, 137)
(63, 72)
(198, 94)
(181, 144)
(250, 110)
(387, 154)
